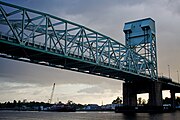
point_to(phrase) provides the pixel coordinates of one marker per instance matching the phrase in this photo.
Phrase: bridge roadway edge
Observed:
(17, 51)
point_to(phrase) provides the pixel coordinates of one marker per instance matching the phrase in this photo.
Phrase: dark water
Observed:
(13, 115)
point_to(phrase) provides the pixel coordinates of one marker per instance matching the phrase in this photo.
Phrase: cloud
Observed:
(14, 87)
(103, 88)
(92, 90)
(174, 6)
(37, 74)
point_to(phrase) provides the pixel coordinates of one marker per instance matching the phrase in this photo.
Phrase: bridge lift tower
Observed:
(140, 37)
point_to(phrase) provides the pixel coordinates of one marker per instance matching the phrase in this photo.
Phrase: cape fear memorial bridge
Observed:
(40, 38)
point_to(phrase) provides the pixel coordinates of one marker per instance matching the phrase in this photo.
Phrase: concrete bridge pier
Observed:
(129, 94)
(173, 99)
(130, 91)
(155, 94)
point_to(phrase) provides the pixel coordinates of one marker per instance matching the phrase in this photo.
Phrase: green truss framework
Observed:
(49, 34)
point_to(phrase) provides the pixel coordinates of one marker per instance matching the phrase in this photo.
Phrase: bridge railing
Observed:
(39, 30)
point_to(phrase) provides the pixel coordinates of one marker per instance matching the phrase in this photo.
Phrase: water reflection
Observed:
(15, 115)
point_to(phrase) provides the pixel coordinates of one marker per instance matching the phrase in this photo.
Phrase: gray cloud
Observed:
(12, 86)
(92, 90)
(174, 6)
(32, 73)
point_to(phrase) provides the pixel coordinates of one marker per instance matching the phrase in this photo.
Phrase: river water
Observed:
(15, 115)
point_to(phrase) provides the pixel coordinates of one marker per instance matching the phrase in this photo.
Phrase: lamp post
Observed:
(178, 75)
(169, 71)
(161, 74)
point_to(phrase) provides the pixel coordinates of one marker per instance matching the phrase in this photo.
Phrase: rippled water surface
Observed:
(15, 115)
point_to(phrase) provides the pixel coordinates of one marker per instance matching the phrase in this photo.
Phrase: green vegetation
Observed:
(168, 101)
(33, 105)
(117, 101)
(23, 105)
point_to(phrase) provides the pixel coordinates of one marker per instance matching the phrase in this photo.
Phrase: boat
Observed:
(60, 107)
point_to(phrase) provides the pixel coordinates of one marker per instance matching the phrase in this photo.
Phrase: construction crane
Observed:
(50, 100)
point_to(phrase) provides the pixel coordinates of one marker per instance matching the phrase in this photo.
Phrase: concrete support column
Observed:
(129, 95)
(155, 94)
(172, 98)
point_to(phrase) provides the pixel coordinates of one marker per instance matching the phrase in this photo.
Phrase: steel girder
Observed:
(39, 31)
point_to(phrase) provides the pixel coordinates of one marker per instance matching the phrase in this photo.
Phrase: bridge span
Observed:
(42, 38)
(32, 36)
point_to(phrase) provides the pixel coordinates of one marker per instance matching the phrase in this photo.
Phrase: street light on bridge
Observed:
(169, 71)
(178, 75)
(161, 74)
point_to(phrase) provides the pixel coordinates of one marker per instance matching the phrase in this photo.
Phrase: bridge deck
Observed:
(71, 62)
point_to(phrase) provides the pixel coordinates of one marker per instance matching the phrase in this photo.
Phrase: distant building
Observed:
(92, 107)
(110, 106)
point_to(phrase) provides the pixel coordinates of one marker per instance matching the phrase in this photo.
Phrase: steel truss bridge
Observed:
(41, 38)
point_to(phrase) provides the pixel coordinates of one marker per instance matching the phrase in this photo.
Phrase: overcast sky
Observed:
(34, 82)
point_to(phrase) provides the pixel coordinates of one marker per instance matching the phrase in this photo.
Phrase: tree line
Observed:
(141, 101)
(31, 104)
